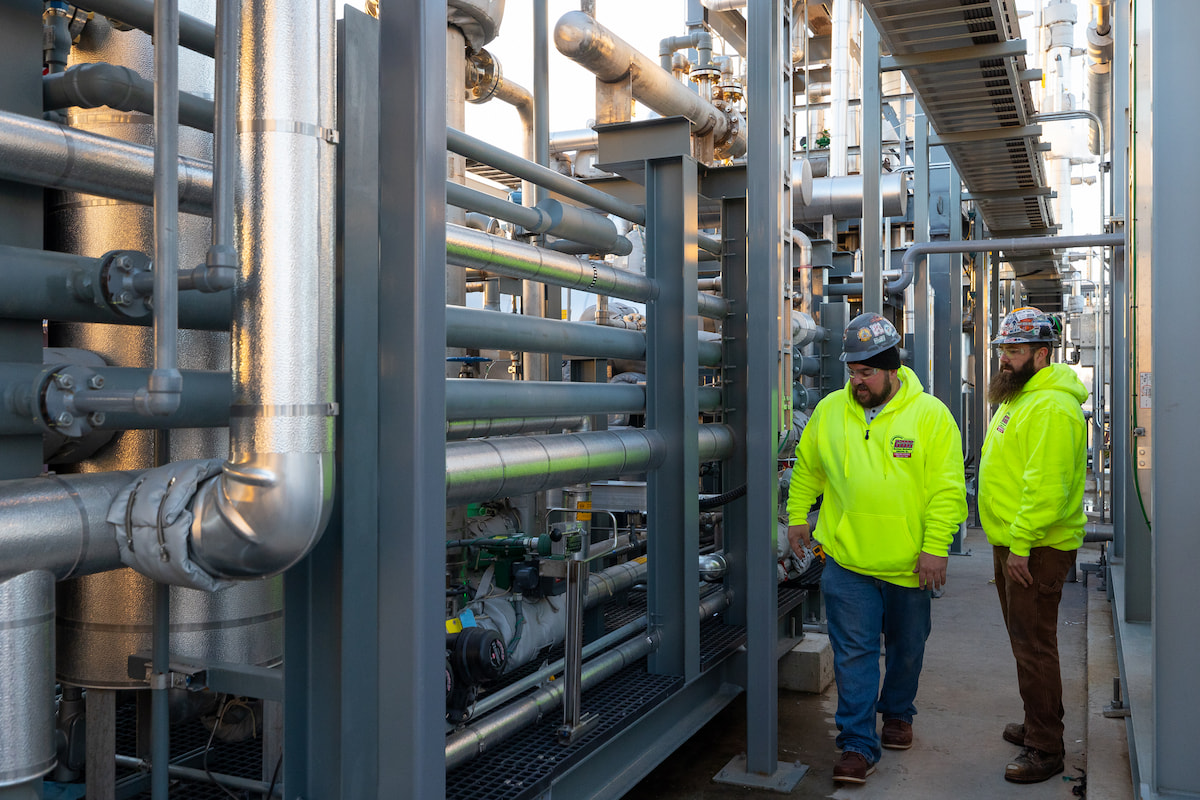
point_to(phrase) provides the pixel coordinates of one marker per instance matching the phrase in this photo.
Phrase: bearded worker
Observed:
(1031, 478)
(888, 459)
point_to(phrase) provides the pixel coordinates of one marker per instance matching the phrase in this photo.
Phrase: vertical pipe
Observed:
(160, 656)
(923, 319)
(225, 125)
(573, 655)
(533, 293)
(1119, 309)
(871, 119)
(26, 682)
(165, 380)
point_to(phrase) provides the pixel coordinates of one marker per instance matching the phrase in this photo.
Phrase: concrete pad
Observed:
(808, 667)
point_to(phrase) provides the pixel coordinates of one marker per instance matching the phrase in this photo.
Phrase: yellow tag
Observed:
(454, 625)
(641, 559)
(581, 516)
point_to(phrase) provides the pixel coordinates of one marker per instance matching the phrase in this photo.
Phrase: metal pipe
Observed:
(1079, 113)
(221, 260)
(482, 470)
(26, 675)
(842, 197)
(916, 253)
(165, 384)
(200, 776)
(497, 255)
(469, 146)
(194, 34)
(585, 41)
(477, 329)
(458, 430)
(468, 398)
(478, 736)
(62, 287)
(100, 84)
(58, 523)
(58, 157)
(569, 141)
(839, 126)
(269, 505)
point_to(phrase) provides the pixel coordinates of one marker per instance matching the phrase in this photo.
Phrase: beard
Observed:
(868, 399)
(1007, 383)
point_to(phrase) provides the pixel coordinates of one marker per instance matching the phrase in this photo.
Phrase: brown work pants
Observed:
(1031, 616)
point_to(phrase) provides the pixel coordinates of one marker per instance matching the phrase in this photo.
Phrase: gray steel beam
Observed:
(672, 411)
(767, 163)
(1011, 194)
(951, 55)
(986, 135)
(21, 211)
(872, 154)
(411, 635)
(1174, 437)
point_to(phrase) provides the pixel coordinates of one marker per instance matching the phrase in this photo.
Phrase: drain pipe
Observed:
(477, 737)
(915, 255)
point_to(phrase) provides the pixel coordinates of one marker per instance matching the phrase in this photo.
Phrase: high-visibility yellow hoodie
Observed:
(1031, 472)
(892, 489)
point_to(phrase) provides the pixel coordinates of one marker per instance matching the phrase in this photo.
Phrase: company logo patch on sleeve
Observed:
(902, 447)
(1003, 423)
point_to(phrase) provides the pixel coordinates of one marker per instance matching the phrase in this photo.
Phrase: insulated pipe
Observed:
(95, 85)
(194, 34)
(508, 426)
(477, 737)
(584, 40)
(915, 255)
(26, 681)
(842, 197)
(62, 287)
(573, 141)
(58, 523)
(500, 256)
(58, 157)
(485, 80)
(470, 147)
(270, 504)
(482, 470)
(494, 330)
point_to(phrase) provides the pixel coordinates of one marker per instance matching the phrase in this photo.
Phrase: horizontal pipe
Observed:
(475, 738)
(468, 398)
(194, 34)
(47, 154)
(202, 776)
(205, 403)
(42, 284)
(531, 219)
(466, 145)
(570, 141)
(493, 254)
(496, 330)
(916, 253)
(585, 41)
(509, 426)
(96, 85)
(842, 197)
(58, 523)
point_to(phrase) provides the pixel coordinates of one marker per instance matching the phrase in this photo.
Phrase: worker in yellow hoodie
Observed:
(1031, 476)
(888, 459)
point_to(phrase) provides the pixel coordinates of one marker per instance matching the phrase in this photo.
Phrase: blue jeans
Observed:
(858, 609)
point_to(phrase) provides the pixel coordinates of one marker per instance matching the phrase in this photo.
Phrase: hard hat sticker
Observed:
(864, 335)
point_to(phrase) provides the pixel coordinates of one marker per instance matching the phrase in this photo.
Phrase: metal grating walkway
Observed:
(965, 61)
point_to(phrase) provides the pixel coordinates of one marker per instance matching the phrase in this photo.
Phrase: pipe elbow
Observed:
(260, 516)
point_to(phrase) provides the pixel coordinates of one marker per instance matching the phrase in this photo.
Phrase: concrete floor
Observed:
(968, 692)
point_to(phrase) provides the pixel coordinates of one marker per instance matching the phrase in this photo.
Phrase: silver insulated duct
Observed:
(104, 617)
(26, 678)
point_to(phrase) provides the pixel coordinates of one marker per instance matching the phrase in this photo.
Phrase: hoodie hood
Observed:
(854, 417)
(1057, 377)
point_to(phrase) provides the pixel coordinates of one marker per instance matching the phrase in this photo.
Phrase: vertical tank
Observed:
(101, 619)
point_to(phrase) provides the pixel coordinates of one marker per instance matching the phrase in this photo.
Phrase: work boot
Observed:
(1015, 732)
(852, 767)
(1033, 766)
(897, 734)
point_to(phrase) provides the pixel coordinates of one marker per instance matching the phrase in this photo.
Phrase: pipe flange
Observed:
(731, 145)
(483, 76)
(698, 73)
(119, 282)
(479, 20)
(57, 411)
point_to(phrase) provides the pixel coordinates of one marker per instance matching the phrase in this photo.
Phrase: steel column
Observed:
(411, 458)
(672, 410)
(1121, 483)
(1174, 439)
(871, 156)
(922, 357)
